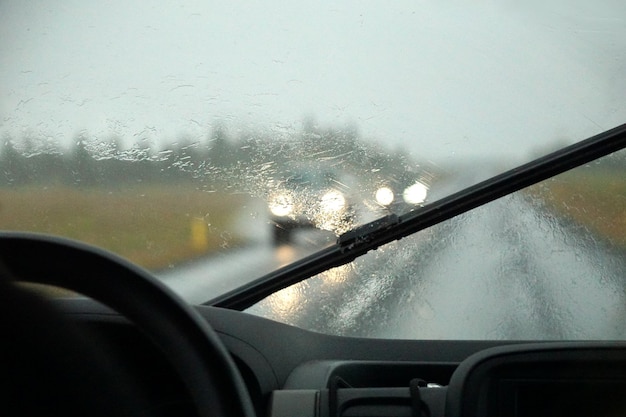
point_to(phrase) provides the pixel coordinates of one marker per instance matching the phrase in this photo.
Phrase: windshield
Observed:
(545, 263)
(213, 143)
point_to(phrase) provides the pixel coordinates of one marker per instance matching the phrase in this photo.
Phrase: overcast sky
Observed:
(440, 78)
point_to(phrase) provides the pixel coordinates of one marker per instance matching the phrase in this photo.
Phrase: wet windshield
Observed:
(214, 143)
(544, 263)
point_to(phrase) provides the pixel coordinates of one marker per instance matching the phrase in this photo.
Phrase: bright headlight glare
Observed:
(281, 205)
(415, 194)
(333, 201)
(384, 196)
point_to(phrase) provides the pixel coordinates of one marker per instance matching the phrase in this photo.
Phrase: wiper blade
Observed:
(389, 228)
(367, 232)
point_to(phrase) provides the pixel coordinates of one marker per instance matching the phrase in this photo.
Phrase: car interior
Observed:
(120, 341)
(130, 346)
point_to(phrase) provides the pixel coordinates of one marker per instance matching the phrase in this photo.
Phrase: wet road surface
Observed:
(508, 270)
(505, 271)
(203, 279)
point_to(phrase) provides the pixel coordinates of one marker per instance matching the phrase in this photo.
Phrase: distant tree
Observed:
(310, 126)
(222, 153)
(82, 165)
(12, 164)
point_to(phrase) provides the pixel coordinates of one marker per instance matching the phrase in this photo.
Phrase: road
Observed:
(508, 270)
(200, 280)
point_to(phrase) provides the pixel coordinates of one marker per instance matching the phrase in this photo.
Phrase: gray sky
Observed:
(439, 78)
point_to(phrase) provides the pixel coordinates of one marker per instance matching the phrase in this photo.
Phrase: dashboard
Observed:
(552, 379)
(290, 371)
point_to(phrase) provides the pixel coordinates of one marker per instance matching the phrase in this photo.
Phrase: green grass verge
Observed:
(595, 198)
(154, 226)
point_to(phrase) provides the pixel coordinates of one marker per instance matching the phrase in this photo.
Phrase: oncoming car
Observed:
(310, 197)
(462, 163)
(398, 197)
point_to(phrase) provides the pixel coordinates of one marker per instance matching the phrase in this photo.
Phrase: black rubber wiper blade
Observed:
(389, 228)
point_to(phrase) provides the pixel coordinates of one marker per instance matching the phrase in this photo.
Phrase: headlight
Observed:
(281, 205)
(333, 201)
(415, 194)
(384, 196)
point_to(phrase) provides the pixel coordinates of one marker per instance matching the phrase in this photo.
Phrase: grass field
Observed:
(594, 198)
(154, 226)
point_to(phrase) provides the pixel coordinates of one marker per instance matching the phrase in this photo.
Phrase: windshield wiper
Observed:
(389, 228)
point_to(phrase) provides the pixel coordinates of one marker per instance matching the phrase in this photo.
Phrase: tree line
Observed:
(220, 158)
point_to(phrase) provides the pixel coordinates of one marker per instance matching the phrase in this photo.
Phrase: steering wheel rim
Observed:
(194, 349)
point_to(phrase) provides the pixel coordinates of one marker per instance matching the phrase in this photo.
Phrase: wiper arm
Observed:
(389, 228)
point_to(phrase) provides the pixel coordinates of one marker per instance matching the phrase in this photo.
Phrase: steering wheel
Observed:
(194, 349)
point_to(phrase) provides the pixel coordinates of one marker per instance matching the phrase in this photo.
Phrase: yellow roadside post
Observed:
(199, 235)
